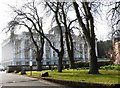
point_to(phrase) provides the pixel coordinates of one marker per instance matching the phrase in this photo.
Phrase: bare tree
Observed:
(32, 22)
(113, 16)
(87, 25)
(33, 19)
(68, 31)
(23, 17)
(64, 20)
(54, 7)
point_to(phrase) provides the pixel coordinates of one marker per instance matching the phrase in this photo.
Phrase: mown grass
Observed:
(111, 67)
(106, 76)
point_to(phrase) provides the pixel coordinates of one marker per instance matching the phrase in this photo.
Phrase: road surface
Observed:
(9, 80)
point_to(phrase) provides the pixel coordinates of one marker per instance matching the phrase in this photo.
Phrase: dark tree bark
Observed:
(39, 51)
(61, 52)
(89, 33)
(54, 7)
(70, 49)
(93, 65)
(68, 36)
(39, 57)
(60, 65)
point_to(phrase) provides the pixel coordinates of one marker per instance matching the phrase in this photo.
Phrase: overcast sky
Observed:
(5, 16)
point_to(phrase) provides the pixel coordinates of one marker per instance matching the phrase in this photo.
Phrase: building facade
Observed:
(20, 50)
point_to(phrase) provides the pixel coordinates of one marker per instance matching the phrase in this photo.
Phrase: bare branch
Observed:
(71, 22)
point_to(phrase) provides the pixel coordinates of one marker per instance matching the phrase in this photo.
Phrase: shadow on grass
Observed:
(74, 84)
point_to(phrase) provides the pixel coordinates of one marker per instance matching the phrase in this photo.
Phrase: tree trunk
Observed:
(59, 52)
(69, 45)
(89, 34)
(93, 65)
(71, 57)
(39, 66)
(60, 65)
(39, 59)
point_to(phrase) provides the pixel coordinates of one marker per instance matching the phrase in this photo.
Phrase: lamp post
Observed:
(30, 67)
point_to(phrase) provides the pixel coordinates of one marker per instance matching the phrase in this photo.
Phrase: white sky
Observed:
(5, 16)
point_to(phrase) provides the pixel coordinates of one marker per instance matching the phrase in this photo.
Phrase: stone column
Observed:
(14, 53)
(83, 51)
(96, 48)
(30, 54)
(22, 52)
(51, 56)
(88, 54)
(44, 55)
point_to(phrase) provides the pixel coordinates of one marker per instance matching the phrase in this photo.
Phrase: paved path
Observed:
(9, 80)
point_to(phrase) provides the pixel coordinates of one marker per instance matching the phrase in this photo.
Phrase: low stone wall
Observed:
(18, 68)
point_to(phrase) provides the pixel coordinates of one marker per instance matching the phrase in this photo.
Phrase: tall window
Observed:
(47, 53)
(54, 54)
(80, 46)
(85, 46)
(74, 43)
(54, 44)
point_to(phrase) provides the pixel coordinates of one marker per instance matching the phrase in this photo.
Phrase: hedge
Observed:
(111, 67)
(86, 64)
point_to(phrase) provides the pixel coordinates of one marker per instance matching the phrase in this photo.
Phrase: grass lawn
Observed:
(106, 76)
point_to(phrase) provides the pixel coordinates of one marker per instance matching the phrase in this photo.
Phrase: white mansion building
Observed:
(19, 50)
